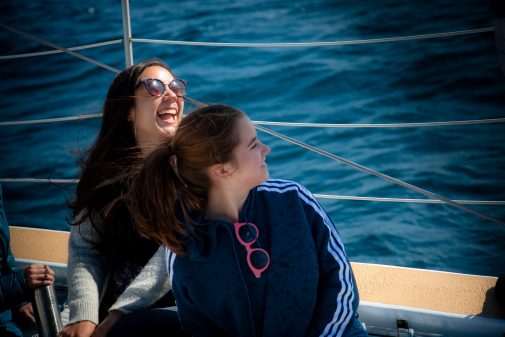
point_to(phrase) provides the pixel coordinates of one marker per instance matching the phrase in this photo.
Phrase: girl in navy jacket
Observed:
(246, 256)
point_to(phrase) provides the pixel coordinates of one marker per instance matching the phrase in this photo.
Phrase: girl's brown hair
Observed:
(176, 174)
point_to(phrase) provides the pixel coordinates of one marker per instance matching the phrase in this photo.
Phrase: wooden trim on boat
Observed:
(39, 244)
(464, 294)
(471, 295)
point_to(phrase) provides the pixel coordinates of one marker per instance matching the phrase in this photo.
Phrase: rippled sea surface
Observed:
(430, 80)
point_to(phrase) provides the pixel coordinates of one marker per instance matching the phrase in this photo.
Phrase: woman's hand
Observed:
(27, 311)
(39, 275)
(79, 329)
(103, 328)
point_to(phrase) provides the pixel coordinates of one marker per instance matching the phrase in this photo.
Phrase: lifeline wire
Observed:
(380, 175)
(51, 120)
(52, 45)
(38, 180)
(79, 117)
(261, 45)
(385, 125)
(315, 44)
(319, 196)
(290, 124)
(50, 52)
(419, 201)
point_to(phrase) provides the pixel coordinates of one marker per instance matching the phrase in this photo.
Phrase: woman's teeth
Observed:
(167, 114)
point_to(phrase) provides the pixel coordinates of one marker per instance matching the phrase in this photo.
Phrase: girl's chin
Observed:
(168, 130)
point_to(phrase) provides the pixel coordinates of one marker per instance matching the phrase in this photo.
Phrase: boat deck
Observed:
(387, 293)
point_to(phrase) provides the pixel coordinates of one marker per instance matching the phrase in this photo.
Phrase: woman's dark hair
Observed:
(105, 164)
(177, 173)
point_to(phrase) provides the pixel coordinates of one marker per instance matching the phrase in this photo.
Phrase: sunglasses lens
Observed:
(178, 87)
(259, 259)
(155, 87)
(248, 233)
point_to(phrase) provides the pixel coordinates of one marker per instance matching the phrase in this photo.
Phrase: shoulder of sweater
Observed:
(83, 231)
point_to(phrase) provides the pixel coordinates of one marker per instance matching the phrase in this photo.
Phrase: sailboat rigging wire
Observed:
(380, 175)
(315, 44)
(195, 102)
(265, 45)
(39, 180)
(50, 52)
(50, 44)
(79, 117)
(52, 120)
(319, 196)
(383, 125)
(290, 124)
(410, 200)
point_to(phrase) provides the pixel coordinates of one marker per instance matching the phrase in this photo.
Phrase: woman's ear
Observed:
(220, 171)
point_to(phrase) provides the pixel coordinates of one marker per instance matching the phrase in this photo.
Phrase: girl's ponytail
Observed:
(153, 193)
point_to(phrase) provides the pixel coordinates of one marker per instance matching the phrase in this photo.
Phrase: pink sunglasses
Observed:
(257, 258)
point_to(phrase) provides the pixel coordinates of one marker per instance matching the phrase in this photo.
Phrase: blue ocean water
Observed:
(434, 80)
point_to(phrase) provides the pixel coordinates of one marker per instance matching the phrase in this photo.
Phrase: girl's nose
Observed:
(266, 149)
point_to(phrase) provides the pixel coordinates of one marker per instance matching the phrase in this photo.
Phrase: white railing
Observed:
(127, 43)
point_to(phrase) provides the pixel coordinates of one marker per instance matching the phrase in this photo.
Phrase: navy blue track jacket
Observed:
(308, 289)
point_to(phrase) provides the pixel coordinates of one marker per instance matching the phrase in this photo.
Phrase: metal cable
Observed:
(315, 44)
(51, 120)
(79, 117)
(50, 52)
(251, 45)
(418, 201)
(365, 169)
(64, 50)
(385, 125)
(290, 124)
(319, 196)
(38, 180)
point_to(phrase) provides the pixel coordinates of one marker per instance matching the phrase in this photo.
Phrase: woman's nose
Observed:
(169, 94)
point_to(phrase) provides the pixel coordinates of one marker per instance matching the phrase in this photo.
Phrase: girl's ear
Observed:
(220, 171)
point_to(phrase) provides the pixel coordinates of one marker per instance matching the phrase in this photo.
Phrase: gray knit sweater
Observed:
(88, 272)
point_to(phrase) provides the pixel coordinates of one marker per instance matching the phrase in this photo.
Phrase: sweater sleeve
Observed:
(337, 296)
(87, 272)
(148, 287)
